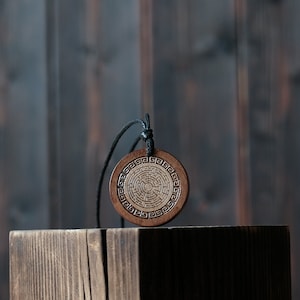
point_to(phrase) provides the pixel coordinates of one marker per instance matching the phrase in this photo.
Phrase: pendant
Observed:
(148, 191)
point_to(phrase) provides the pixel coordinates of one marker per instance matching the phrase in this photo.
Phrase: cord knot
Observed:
(147, 136)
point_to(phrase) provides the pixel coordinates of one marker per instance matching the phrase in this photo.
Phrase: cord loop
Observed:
(146, 135)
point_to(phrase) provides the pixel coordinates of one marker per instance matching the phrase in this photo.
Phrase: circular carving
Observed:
(148, 191)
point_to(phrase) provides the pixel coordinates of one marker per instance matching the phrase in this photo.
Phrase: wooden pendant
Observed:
(148, 191)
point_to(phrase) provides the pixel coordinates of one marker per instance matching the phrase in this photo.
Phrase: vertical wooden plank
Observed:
(4, 224)
(291, 134)
(26, 114)
(53, 113)
(4, 220)
(57, 264)
(93, 93)
(146, 56)
(91, 54)
(112, 97)
(244, 184)
(123, 264)
(195, 102)
(68, 130)
(113, 91)
(267, 85)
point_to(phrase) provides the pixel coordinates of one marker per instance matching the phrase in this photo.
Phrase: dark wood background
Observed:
(220, 79)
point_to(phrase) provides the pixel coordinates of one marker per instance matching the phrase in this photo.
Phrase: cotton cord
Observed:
(146, 135)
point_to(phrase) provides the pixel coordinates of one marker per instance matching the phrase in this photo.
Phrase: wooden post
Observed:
(151, 263)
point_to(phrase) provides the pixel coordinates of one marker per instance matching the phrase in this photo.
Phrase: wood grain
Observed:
(56, 264)
(266, 91)
(194, 94)
(291, 149)
(67, 127)
(53, 115)
(123, 263)
(222, 87)
(4, 201)
(120, 98)
(26, 112)
(268, 67)
(215, 263)
(242, 109)
(146, 56)
(229, 263)
(23, 153)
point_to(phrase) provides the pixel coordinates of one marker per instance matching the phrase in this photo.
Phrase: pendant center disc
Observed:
(148, 191)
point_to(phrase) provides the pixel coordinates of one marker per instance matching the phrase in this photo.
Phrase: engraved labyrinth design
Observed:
(148, 187)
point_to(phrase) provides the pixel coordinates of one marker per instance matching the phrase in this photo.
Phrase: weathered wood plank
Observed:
(159, 263)
(92, 51)
(67, 126)
(194, 94)
(123, 263)
(56, 264)
(53, 114)
(267, 97)
(25, 98)
(119, 60)
(4, 201)
(146, 56)
(242, 109)
(95, 145)
(291, 147)
(191, 71)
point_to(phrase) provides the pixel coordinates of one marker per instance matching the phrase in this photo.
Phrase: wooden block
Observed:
(152, 263)
(56, 264)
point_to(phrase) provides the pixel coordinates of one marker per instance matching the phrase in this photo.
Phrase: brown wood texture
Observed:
(267, 43)
(243, 155)
(90, 63)
(123, 263)
(219, 79)
(159, 263)
(195, 101)
(56, 264)
(267, 115)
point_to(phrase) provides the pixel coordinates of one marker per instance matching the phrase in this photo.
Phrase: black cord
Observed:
(146, 135)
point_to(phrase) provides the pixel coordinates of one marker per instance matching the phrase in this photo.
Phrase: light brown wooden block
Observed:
(212, 263)
(56, 264)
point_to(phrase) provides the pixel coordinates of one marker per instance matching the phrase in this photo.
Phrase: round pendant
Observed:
(148, 191)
